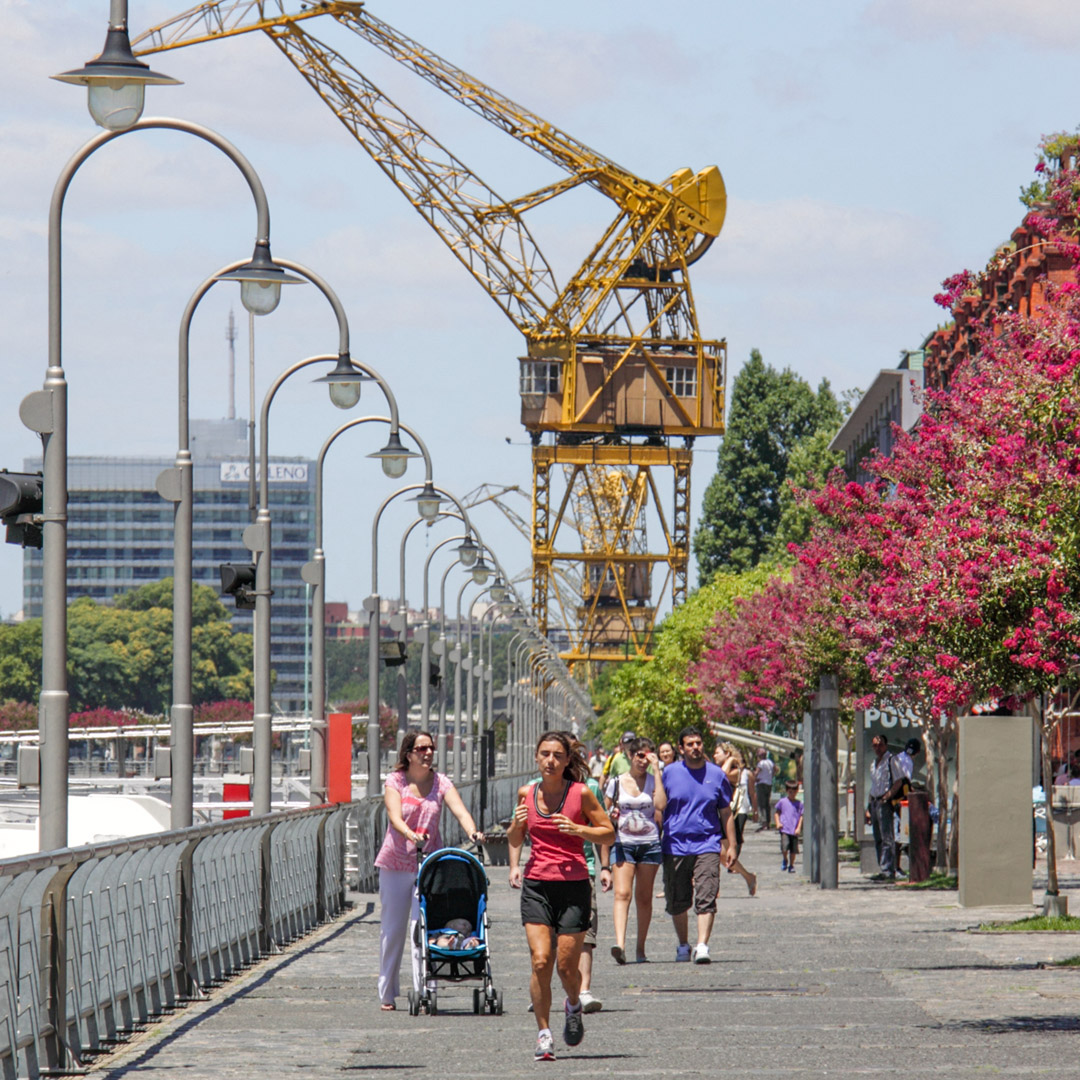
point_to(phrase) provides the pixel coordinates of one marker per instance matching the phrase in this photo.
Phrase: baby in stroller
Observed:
(461, 938)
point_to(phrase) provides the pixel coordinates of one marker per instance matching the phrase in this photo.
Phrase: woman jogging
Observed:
(559, 814)
(414, 797)
(633, 801)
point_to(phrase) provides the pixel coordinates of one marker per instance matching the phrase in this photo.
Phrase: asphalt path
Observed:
(869, 980)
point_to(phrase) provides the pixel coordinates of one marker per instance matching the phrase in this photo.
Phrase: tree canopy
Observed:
(120, 655)
(771, 413)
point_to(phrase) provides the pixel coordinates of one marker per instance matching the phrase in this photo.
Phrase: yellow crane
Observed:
(615, 367)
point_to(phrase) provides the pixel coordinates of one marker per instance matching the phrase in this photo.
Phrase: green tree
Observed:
(20, 661)
(120, 655)
(652, 697)
(771, 412)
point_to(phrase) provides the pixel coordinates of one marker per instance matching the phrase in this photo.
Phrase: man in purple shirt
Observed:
(697, 818)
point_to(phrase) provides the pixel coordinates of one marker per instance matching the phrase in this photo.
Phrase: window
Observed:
(682, 380)
(540, 377)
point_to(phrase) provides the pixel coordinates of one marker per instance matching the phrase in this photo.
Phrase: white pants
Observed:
(399, 915)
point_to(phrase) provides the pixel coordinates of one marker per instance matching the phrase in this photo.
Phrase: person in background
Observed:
(596, 763)
(789, 817)
(886, 781)
(666, 753)
(740, 807)
(633, 801)
(619, 761)
(414, 797)
(697, 818)
(590, 1003)
(763, 780)
(905, 759)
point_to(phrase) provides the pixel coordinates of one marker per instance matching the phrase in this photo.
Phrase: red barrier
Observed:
(339, 758)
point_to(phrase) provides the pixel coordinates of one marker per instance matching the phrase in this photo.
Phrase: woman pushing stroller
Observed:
(559, 814)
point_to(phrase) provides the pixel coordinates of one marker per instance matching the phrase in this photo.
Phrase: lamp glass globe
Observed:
(345, 395)
(260, 297)
(394, 467)
(115, 105)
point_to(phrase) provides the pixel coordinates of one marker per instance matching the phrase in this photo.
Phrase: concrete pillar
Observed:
(993, 773)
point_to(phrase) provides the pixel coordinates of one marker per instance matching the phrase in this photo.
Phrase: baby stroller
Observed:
(452, 887)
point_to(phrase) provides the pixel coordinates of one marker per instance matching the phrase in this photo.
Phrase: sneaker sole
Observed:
(592, 1007)
(702, 959)
(544, 1057)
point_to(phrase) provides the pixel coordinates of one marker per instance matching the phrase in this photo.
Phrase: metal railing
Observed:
(97, 940)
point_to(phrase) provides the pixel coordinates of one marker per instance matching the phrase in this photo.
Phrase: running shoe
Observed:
(682, 954)
(783, 867)
(701, 954)
(791, 869)
(574, 1029)
(589, 1002)
(545, 1047)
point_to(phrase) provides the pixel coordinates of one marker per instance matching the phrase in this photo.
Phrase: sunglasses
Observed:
(423, 750)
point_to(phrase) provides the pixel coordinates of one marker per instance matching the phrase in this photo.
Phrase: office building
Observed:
(120, 535)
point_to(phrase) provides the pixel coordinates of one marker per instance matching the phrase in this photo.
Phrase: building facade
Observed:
(893, 402)
(120, 535)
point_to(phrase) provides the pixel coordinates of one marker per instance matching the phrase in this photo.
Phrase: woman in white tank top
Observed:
(635, 802)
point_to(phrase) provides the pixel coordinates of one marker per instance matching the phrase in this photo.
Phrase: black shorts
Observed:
(565, 906)
(789, 842)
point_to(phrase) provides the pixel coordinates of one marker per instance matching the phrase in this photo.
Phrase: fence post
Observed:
(191, 989)
(54, 965)
(320, 870)
(267, 944)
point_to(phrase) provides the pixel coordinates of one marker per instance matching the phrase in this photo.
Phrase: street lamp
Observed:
(314, 574)
(45, 411)
(428, 503)
(257, 541)
(115, 80)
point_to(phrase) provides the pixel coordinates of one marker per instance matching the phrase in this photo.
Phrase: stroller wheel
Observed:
(477, 999)
(414, 1003)
(497, 1007)
(433, 1003)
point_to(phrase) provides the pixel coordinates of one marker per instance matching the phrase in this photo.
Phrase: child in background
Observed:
(787, 817)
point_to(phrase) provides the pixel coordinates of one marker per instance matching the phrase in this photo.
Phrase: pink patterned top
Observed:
(421, 815)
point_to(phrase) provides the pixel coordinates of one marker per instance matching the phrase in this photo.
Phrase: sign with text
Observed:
(281, 472)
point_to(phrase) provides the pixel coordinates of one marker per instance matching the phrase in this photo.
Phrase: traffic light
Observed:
(20, 507)
(238, 581)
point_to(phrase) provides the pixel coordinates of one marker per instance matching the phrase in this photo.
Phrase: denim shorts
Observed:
(637, 853)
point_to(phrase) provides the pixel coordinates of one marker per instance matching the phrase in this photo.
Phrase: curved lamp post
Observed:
(314, 573)
(45, 411)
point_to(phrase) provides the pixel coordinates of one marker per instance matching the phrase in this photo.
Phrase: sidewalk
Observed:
(869, 980)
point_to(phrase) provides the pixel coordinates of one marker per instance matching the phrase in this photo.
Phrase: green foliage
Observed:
(1059, 923)
(937, 881)
(651, 697)
(120, 656)
(810, 463)
(771, 413)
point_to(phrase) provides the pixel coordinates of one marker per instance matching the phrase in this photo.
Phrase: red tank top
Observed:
(554, 855)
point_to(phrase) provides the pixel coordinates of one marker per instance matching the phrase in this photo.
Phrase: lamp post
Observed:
(45, 411)
(314, 573)
(257, 541)
(428, 502)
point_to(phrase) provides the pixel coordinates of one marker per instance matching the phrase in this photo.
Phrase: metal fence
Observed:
(95, 941)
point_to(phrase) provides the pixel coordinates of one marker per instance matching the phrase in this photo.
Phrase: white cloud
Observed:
(1044, 24)
(818, 244)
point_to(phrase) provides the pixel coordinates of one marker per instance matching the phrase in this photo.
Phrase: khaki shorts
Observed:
(692, 879)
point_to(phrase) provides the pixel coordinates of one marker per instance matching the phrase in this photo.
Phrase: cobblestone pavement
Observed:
(870, 980)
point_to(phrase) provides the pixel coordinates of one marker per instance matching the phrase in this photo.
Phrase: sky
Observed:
(870, 148)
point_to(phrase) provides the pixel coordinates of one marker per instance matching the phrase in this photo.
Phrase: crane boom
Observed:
(615, 366)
